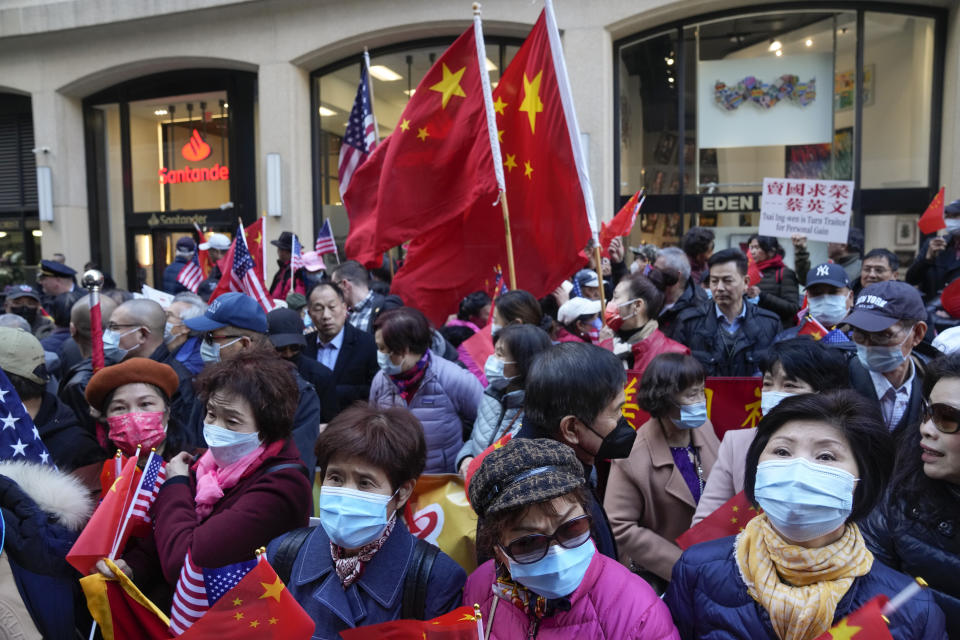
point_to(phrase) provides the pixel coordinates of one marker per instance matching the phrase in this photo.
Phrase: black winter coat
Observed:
(693, 296)
(779, 293)
(900, 536)
(931, 276)
(70, 444)
(700, 331)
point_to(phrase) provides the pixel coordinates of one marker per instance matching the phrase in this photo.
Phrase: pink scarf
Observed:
(212, 480)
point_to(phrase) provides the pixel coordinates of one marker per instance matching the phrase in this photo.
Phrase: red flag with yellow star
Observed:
(812, 328)
(866, 623)
(932, 219)
(260, 606)
(545, 193)
(459, 624)
(728, 520)
(436, 164)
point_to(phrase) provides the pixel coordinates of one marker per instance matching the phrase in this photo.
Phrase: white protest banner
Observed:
(162, 298)
(819, 209)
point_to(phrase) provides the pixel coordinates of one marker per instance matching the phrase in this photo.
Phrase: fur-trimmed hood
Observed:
(57, 493)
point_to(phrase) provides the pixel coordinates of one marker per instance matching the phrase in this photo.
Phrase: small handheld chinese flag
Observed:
(753, 271)
(932, 219)
(729, 519)
(121, 609)
(622, 223)
(459, 624)
(812, 328)
(866, 623)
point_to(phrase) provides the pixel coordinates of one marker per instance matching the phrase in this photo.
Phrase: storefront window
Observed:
(19, 233)
(179, 150)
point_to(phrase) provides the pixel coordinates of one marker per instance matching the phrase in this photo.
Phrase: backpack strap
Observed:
(288, 465)
(414, 604)
(289, 547)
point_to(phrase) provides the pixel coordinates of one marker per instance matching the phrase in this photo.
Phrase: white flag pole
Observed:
(376, 127)
(494, 138)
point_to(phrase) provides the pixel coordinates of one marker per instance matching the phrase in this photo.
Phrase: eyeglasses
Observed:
(570, 535)
(209, 338)
(944, 417)
(877, 339)
(113, 326)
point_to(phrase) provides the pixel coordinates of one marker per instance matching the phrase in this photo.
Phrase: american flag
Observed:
(199, 589)
(19, 438)
(191, 275)
(360, 137)
(296, 255)
(325, 242)
(243, 275)
(154, 473)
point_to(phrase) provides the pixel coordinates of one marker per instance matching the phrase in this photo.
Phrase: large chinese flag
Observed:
(259, 607)
(435, 165)
(622, 223)
(97, 538)
(729, 519)
(932, 219)
(459, 624)
(866, 623)
(121, 610)
(548, 208)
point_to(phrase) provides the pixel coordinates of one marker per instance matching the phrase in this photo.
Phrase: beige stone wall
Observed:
(61, 51)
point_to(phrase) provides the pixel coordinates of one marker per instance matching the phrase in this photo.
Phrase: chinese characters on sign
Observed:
(819, 209)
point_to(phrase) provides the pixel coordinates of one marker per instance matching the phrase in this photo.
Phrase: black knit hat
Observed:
(524, 471)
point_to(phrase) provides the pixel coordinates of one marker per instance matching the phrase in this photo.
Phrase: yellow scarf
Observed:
(799, 587)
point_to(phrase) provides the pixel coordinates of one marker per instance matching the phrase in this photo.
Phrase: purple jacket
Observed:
(446, 400)
(611, 603)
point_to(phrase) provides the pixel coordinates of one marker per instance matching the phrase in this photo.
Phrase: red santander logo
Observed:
(196, 148)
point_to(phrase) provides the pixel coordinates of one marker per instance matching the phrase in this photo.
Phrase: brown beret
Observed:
(130, 371)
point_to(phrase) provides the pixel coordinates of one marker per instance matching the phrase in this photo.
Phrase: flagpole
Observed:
(133, 504)
(292, 272)
(376, 127)
(494, 138)
(92, 280)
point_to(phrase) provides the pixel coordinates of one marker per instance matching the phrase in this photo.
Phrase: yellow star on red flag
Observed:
(531, 98)
(272, 590)
(450, 85)
(843, 631)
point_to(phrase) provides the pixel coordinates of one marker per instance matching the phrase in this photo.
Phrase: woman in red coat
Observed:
(247, 488)
(632, 314)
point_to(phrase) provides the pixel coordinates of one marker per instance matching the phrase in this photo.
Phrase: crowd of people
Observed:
(346, 392)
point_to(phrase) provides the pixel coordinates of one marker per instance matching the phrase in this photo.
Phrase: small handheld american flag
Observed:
(19, 437)
(243, 274)
(191, 275)
(154, 473)
(296, 256)
(199, 589)
(325, 242)
(360, 137)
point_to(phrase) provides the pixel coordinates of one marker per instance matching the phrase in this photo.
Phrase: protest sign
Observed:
(819, 209)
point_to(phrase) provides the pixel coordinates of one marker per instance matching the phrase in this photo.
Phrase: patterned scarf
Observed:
(349, 568)
(535, 606)
(409, 381)
(799, 587)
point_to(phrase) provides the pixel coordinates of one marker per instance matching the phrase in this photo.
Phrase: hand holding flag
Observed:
(932, 219)
(622, 223)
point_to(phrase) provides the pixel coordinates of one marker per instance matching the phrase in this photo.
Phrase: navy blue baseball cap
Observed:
(233, 309)
(55, 269)
(828, 273)
(14, 291)
(882, 304)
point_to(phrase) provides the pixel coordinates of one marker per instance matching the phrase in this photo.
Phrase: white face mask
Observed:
(770, 399)
(828, 309)
(228, 446)
(386, 364)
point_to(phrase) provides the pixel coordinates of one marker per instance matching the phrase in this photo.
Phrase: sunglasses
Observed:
(570, 535)
(944, 417)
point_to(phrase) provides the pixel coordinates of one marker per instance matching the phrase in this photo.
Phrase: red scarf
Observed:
(775, 262)
(409, 381)
(349, 568)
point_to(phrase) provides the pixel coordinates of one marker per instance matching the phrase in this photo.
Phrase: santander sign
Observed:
(195, 150)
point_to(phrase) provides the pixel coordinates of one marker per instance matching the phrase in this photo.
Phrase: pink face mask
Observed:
(145, 428)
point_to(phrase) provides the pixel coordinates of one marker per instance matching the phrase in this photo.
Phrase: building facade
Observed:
(144, 120)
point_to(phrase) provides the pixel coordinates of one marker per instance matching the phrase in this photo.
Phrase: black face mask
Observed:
(618, 443)
(27, 313)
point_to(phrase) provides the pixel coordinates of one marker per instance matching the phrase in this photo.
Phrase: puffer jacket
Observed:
(44, 511)
(500, 412)
(902, 537)
(610, 603)
(446, 400)
(780, 294)
(709, 600)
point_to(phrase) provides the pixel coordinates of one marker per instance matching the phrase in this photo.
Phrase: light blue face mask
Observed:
(770, 399)
(881, 359)
(353, 518)
(829, 309)
(228, 446)
(210, 351)
(112, 352)
(386, 364)
(167, 332)
(804, 500)
(494, 329)
(691, 416)
(953, 224)
(558, 573)
(493, 369)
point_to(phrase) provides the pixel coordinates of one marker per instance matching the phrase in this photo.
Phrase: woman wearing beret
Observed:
(917, 527)
(360, 566)
(818, 465)
(133, 402)
(546, 579)
(246, 489)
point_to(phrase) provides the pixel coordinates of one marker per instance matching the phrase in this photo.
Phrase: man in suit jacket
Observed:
(347, 351)
(888, 322)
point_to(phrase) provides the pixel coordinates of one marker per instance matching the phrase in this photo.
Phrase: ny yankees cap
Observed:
(828, 273)
(883, 304)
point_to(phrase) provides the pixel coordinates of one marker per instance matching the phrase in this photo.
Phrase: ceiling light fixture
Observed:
(775, 45)
(325, 111)
(779, 53)
(410, 92)
(384, 73)
(669, 61)
(160, 112)
(809, 42)
(490, 65)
